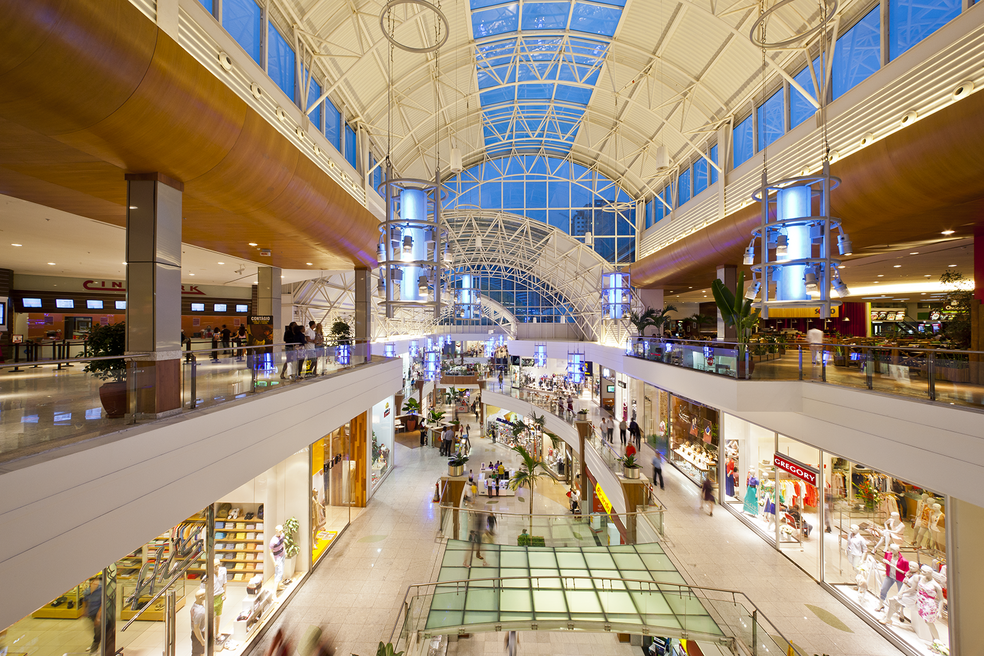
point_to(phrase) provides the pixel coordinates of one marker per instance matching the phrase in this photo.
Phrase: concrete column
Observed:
(269, 298)
(728, 274)
(964, 573)
(363, 305)
(153, 290)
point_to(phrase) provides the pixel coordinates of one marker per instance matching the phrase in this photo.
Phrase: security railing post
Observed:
(755, 632)
(931, 375)
(823, 363)
(251, 359)
(194, 382)
(869, 365)
(800, 348)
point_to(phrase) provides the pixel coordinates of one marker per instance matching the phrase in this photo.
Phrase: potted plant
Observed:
(387, 649)
(411, 407)
(528, 474)
(341, 333)
(434, 419)
(105, 341)
(582, 414)
(630, 466)
(456, 464)
(736, 310)
(291, 526)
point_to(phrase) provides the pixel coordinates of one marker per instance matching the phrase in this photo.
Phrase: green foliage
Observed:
(458, 460)
(435, 416)
(411, 406)
(735, 309)
(291, 527)
(531, 470)
(104, 341)
(341, 332)
(629, 461)
(375, 447)
(387, 649)
(956, 308)
(651, 317)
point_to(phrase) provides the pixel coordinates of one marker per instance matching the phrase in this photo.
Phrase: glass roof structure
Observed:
(534, 90)
(570, 587)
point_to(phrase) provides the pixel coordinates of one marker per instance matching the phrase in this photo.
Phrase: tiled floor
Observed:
(355, 594)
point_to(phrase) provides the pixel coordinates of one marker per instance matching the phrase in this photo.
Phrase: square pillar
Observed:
(728, 274)
(363, 306)
(153, 291)
(269, 298)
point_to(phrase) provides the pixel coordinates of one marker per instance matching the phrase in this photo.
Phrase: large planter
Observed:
(631, 472)
(113, 397)
(456, 470)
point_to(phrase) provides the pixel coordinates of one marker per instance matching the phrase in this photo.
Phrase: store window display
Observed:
(797, 467)
(749, 474)
(381, 455)
(871, 515)
(330, 490)
(694, 440)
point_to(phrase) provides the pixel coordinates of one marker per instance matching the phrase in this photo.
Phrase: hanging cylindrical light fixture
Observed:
(662, 159)
(456, 166)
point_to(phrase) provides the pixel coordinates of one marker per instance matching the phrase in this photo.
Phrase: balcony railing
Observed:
(947, 376)
(49, 403)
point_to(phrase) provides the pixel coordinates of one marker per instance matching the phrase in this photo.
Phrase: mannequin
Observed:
(730, 477)
(892, 533)
(319, 511)
(198, 615)
(278, 551)
(219, 579)
(865, 568)
(896, 567)
(928, 605)
(936, 527)
(751, 506)
(905, 599)
(856, 546)
(921, 521)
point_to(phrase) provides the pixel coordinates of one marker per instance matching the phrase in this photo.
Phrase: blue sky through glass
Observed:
(535, 89)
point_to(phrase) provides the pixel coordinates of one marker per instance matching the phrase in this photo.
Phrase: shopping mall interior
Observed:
(452, 328)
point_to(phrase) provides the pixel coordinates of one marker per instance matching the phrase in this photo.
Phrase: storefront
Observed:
(693, 443)
(655, 422)
(267, 535)
(381, 456)
(876, 541)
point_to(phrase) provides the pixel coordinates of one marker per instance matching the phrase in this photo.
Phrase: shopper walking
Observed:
(240, 341)
(93, 608)
(466, 439)
(658, 469)
(707, 495)
(635, 433)
(226, 338)
(622, 429)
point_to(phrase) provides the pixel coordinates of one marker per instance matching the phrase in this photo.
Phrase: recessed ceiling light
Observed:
(877, 281)
(914, 253)
(133, 207)
(191, 274)
(252, 244)
(927, 276)
(898, 266)
(881, 275)
(18, 245)
(310, 264)
(947, 232)
(951, 265)
(51, 264)
(221, 262)
(843, 266)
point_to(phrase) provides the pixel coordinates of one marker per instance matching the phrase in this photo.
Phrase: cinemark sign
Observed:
(808, 474)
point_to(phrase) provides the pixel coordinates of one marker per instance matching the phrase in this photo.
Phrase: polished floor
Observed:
(356, 592)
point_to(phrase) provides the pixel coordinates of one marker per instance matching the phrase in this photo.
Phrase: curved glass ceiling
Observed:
(535, 89)
(555, 191)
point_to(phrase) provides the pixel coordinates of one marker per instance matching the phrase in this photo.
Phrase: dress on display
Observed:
(729, 479)
(928, 605)
(751, 496)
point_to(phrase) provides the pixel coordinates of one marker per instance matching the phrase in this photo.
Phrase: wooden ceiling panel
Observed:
(906, 187)
(70, 63)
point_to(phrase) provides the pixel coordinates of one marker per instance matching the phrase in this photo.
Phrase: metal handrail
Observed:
(128, 356)
(791, 345)
(658, 509)
(650, 587)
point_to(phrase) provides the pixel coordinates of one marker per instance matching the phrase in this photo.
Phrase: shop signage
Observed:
(621, 384)
(801, 471)
(117, 286)
(600, 495)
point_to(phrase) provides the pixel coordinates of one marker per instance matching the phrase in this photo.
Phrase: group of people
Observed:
(495, 473)
(302, 348)
(224, 339)
(455, 439)
(625, 430)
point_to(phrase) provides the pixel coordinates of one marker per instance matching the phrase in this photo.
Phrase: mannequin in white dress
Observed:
(856, 546)
(920, 522)
(905, 599)
(929, 605)
(936, 527)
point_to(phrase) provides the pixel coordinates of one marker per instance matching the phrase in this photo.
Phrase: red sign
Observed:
(116, 286)
(808, 474)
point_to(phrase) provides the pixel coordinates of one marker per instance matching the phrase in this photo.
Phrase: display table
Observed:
(504, 489)
(694, 461)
